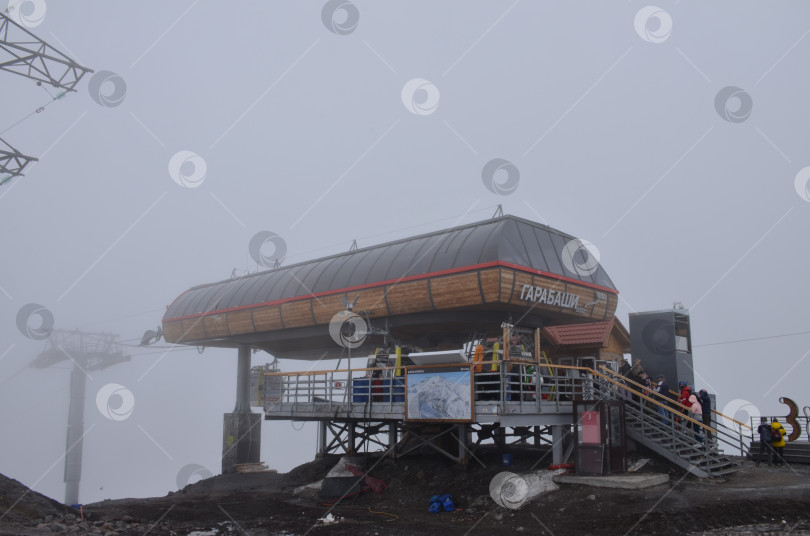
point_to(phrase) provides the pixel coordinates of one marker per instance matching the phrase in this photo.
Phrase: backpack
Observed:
(765, 432)
(775, 435)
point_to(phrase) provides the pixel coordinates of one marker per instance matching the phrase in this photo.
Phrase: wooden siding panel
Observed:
(490, 284)
(507, 282)
(173, 331)
(371, 300)
(325, 307)
(193, 329)
(215, 325)
(411, 297)
(267, 318)
(240, 322)
(455, 291)
(297, 314)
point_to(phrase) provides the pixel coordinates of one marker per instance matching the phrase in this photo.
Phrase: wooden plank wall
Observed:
(467, 290)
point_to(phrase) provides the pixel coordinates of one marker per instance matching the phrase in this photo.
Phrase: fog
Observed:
(306, 121)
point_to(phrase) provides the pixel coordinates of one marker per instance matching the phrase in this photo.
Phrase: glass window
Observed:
(549, 252)
(240, 292)
(307, 274)
(536, 258)
(423, 255)
(334, 276)
(352, 268)
(378, 271)
(470, 247)
(444, 254)
(512, 248)
(270, 280)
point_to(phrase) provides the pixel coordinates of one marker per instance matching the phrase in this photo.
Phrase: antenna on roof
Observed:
(498, 212)
(353, 247)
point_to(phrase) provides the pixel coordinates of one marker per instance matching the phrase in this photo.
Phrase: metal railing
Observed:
(511, 388)
(801, 420)
(671, 410)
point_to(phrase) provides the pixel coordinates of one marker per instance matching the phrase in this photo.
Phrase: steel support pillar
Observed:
(75, 431)
(241, 433)
(322, 430)
(243, 380)
(557, 436)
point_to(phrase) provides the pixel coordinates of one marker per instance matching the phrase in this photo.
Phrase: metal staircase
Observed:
(671, 435)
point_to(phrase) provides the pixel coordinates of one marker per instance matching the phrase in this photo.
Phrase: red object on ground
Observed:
(374, 484)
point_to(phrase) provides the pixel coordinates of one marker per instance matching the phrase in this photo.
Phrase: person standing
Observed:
(778, 442)
(765, 438)
(696, 413)
(663, 389)
(686, 392)
(635, 376)
(706, 405)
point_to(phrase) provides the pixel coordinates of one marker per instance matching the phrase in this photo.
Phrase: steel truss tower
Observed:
(25, 54)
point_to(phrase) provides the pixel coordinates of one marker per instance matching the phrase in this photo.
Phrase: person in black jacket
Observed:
(706, 405)
(764, 431)
(663, 388)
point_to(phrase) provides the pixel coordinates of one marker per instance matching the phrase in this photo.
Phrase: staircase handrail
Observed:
(673, 402)
(645, 397)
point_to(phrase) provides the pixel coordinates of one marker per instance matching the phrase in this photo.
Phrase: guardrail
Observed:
(719, 430)
(804, 432)
(510, 385)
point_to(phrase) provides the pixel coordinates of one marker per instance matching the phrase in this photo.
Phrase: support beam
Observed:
(241, 430)
(12, 162)
(243, 380)
(557, 436)
(25, 54)
(321, 448)
(75, 431)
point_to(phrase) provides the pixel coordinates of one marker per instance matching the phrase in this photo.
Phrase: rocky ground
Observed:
(752, 501)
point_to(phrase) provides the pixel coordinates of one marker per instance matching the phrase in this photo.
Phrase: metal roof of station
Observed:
(506, 240)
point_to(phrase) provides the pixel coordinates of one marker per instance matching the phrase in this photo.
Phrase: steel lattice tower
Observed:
(25, 54)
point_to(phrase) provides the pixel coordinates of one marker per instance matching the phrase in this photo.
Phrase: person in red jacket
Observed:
(683, 400)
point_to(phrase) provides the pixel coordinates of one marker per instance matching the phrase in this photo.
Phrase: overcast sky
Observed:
(310, 124)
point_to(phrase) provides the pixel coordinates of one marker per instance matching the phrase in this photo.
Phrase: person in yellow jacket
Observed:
(778, 445)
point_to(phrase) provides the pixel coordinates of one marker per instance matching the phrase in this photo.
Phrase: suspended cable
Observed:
(752, 339)
(38, 110)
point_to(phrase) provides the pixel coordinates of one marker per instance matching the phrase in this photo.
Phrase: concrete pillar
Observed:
(241, 440)
(241, 430)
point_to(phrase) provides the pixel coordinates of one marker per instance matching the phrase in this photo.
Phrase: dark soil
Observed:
(751, 501)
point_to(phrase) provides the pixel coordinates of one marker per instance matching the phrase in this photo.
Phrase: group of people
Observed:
(698, 406)
(771, 441)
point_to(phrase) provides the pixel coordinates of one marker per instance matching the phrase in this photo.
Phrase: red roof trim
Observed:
(450, 271)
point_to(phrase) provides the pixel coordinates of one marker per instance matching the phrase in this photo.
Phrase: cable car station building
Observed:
(498, 330)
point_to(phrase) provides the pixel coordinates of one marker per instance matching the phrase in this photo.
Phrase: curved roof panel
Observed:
(505, 240)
